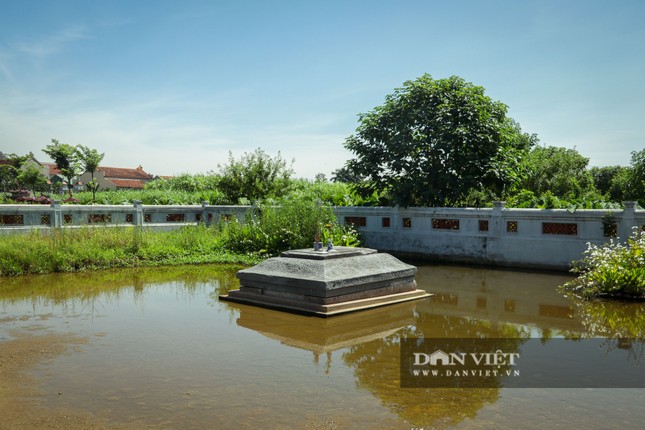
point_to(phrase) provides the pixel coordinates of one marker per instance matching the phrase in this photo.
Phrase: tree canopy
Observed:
(10, 170)
(32, 178)
(90, 160)
(66, 158)
(561, 171)
(636, 177)
(435, 140)
(254, 176)
(610, 181)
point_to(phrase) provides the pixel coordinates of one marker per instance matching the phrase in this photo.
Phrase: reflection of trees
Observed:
(376, 366)
(622, 322)
(612, 318)
(87, 288)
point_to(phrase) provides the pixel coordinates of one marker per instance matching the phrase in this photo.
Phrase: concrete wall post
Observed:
(628, 220)
(57, 213)
(204, 217)
(138, 213)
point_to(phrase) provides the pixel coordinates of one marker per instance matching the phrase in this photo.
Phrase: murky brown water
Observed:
(164, 351)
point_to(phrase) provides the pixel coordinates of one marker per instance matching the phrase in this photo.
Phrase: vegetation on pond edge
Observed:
(612, 269)
(267, 231)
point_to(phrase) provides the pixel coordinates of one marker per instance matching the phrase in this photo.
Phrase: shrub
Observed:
(154, 196)
(255, 176)
(269, 230)
(333, 193)
(611, 269)
(186, 182)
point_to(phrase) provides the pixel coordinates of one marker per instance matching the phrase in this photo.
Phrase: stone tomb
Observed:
(326, 283)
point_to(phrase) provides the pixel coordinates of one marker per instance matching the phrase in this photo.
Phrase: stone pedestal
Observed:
(327, 283)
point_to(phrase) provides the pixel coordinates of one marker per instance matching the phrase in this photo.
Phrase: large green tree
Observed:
(434, 141)
(90, 160)
(66, 158)
(344, 174)
(32, 178)
(10, 169)
(559, 171)
(255, 176)
(610, 180)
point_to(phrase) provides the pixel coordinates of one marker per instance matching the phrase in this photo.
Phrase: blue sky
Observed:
(176, 85)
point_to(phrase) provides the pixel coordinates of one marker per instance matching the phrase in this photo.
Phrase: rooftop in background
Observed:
(124, 173)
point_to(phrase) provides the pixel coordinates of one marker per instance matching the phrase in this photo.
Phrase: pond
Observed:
(155, 348)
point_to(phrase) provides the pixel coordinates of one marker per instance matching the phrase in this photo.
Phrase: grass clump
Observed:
(102, 247)
(613, 269)
(268, 231)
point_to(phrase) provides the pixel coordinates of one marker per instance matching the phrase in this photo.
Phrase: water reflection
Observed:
(376, 368)
(467, 304)
(181, 338)
(323, 335)
(605, 318)
(60, 287)
(499, 297)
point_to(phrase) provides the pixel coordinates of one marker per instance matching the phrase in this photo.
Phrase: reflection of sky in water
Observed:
(166, 351)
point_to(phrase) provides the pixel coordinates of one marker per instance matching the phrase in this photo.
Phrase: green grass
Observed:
(91, 248)
(266, 232)
(270, 230)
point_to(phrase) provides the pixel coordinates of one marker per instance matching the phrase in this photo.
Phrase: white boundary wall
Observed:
(24, 218)
(530, 238)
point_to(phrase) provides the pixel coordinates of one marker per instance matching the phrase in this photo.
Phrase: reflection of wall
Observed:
(326, 334)
(498, 296)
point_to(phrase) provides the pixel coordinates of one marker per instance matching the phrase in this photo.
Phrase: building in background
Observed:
(118, 178)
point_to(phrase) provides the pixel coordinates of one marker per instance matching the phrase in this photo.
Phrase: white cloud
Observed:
(163, 142)
(53, 43)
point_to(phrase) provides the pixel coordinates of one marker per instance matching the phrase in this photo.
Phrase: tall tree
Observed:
(90, 160)
(610, 180)
(343, 174)
(636, 177)
(32, 178)
(10, 169)
(433, 141)
(65, 157)
(254, 176)
(560, 171)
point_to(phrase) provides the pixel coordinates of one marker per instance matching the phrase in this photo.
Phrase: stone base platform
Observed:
(329, 283)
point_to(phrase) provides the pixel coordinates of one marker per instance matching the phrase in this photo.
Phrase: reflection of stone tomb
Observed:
(327, 283)
(329, 334)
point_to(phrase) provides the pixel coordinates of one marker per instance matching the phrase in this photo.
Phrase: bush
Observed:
(612, 269)
(332, 193)
(270, 230)
(186, 182)
(255, 176)
(153, 196)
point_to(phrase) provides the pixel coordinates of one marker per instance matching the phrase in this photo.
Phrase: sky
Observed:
(174, 86)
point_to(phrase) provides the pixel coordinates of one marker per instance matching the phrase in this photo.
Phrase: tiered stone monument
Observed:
(327, 283)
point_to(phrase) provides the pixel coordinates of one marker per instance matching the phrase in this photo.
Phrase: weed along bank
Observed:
(527, 238)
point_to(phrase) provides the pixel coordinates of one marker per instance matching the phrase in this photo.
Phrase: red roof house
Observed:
(118, 178)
